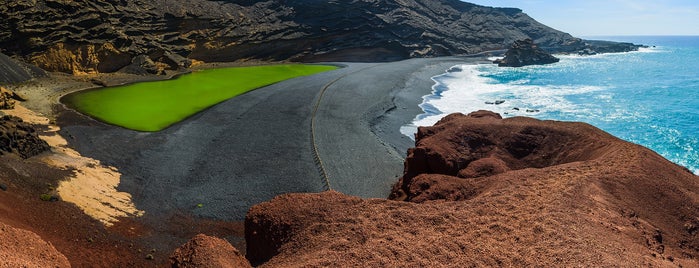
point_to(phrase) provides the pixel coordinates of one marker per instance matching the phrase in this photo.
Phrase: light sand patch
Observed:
(93, 186)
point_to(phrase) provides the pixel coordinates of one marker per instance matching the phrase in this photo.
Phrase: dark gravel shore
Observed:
(251, 148)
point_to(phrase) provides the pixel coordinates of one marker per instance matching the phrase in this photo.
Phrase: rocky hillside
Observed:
(483, 191)
(106, 35)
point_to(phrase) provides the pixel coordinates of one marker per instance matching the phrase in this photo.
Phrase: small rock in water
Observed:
(489, 102)
(498, 102)
(516, 109)
(532, 110)
(454, 69)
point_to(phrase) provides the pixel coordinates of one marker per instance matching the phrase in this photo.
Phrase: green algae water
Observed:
(153, 106)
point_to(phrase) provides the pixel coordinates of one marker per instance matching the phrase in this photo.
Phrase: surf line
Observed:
(316, 155)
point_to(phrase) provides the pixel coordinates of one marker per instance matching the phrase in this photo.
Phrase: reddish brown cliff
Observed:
(487, 191)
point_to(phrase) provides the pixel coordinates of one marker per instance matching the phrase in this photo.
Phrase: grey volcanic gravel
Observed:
(251, 148)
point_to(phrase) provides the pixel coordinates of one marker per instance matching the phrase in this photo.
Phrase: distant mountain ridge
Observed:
(105, 35)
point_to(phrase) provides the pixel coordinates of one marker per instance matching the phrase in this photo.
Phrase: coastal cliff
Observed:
(486, 191)
(108, 35)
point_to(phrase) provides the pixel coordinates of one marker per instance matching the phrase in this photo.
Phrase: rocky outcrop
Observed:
(22, 248)
(525, 52)
(206, 251)
(486, 191)
(20, 138)
(593, 47)
(89, 58)
(105, 35)
(8, 99)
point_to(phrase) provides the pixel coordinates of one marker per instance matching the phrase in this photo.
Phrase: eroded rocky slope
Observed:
(106, 35)
(480, 190)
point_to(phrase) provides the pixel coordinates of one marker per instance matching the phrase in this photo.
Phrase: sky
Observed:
(610, 17)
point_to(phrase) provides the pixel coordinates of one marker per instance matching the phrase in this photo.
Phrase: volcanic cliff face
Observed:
(486, 191)
(106, 35)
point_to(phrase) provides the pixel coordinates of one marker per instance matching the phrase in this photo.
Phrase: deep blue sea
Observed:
(649, 97)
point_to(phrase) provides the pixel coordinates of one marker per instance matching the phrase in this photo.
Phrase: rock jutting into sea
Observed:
(523, 53)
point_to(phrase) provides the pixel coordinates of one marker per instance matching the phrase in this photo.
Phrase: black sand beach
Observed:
(253, 147)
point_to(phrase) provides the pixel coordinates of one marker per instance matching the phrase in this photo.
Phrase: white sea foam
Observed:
(470, 90)
(494, 58)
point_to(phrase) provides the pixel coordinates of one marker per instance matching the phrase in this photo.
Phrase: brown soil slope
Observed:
(487, 191)
(22, 248)
(207, 251)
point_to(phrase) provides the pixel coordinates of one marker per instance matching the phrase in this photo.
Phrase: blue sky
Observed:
(610, 17)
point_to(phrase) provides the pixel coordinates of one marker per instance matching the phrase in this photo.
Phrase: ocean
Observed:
(649, 97)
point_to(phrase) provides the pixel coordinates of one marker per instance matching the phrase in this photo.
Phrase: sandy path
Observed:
(92, 187)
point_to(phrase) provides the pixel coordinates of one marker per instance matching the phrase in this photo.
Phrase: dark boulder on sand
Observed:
(525, 52)
(20, 138)
(480, 190)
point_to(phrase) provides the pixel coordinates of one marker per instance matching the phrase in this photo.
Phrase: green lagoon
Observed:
(153, 106)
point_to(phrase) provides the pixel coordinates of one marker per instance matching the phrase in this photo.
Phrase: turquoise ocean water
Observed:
(649, 97)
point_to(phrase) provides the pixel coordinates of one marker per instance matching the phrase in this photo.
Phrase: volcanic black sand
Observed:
(251, 148)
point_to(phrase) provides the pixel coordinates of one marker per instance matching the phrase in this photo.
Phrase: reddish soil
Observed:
(85, 241)
(490, 192)
(206, 251)
(21, 248)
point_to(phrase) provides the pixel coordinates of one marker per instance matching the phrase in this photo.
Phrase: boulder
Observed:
(141, 65)
(8, 99)
(20, 138)
(523, 53)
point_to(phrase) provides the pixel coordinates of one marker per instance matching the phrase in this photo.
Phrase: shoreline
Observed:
(162, 166)
(359, 136)
(251, 148)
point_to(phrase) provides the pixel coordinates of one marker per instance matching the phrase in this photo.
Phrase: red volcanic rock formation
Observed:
(486, 191)
(21, 248)
(206, 251)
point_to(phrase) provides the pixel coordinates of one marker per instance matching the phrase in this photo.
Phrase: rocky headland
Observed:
(476, 189)
(111, 35)
(480, 190)
(523, 53)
